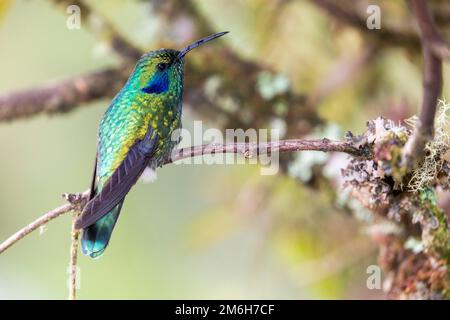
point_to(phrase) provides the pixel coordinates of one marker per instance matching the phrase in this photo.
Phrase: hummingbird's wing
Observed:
(121, 181)
(94, 177)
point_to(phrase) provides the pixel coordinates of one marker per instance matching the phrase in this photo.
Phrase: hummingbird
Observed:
(134, 133)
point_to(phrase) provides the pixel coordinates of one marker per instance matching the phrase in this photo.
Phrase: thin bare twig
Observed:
(432, 83)
(73, 268)
(250, 150)
(77, 201)
(73, 200)
(34, 225)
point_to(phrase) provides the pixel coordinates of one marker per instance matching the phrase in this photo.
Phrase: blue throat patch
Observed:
(158, 84)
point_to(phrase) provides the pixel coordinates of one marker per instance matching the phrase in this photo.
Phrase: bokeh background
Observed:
(199, 231)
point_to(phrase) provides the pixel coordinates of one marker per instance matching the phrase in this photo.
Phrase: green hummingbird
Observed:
(134, 133)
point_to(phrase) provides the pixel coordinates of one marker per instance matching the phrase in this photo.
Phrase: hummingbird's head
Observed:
(161, 70)
(158, 71)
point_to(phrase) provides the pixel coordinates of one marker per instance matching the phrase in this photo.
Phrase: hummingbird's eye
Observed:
(161, 66)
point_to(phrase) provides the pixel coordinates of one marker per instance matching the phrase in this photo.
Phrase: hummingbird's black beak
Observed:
(198, 43)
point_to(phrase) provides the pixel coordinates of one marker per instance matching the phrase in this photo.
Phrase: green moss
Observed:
(427, 196)
(439, 234)
(436, 236)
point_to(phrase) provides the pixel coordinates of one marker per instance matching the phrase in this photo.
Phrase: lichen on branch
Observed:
(379, 182)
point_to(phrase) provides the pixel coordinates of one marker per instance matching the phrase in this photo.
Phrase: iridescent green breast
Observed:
(127, 120)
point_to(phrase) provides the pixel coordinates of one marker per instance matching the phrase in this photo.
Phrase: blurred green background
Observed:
(193, 233)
